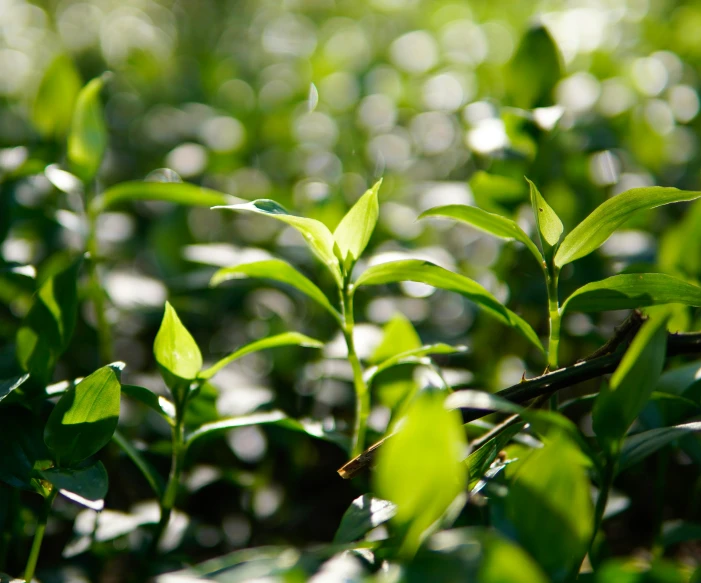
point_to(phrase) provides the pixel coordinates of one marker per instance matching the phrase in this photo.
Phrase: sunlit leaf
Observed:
(549, 224)
(472, 399)
(355, 229)
(488, 222)
(85, 417)
(480, 460)
(398, 335)
(431, 274)
(87, 139)
(86, 486)
(420, 469)
(9, 385)
(52, 110)
(159, 404)
(365, 513)
(285, 339)
(639, 446)
(277, 270)
(632, 290)
(594, 230)
(315, 233)
(413, 355)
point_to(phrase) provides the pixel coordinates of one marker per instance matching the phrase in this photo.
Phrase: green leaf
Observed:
(549, 224)
(472, 399)
(175, 192)
(86, 486)
(549, 507)
(365, 513)
(9, 385)
(639, 446)
(85, 417)
(412, 356)
(285, 339)
(480, 460)
(159, 404)
(52, 110)
(593, 231)
(431, 274)
(315, 233)
(48, 327)
(355, 229)
(488, 222)
(632, 290)
(398, 335)
(87, 139)
(151, 475)
(629, 389)
(176, 352)
(277, 270)
(492, 190)
(420, 469)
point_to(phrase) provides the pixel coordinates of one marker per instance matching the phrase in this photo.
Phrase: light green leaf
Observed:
(420, 469)
(149, 472)
(87, 139)
(549, 224)
(472, 399)
(175, 192)
(52, 110)
(9, 385)
(85, 417)
(277, 270)
(355, 229)
(176, 352)
(431, 274)
(86, 486)
(398, 335)
(619, 403)
(315, 233)
(492, 190)
(632, 290)
(593, 231)
(639, 446)
(488, 222)
(413, 355)
(285, 339)
(365, 513)
(159, 404)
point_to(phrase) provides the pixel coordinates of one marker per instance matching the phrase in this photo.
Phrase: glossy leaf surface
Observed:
(365, 513)
(87, 486)
(9, 385)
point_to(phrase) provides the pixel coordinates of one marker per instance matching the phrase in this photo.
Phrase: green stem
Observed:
(104, 332)
(39, 536)
(608, 473)
(555, 318)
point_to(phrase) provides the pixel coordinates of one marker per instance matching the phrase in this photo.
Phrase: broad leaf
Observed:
(411, 356)
(621, 401)
(639, 446)
(158, 403)
(431, 274)
(87, 139)
(277, 270)
(176, 352)
(398, 335)
(52, 110)
(9, 385)
(285, 339)
(355, 229)
(420, 470)
(549, 224)
(85, 417)
(593, 231)
(175, 192)
(365, 513)
(488, 222)
(315, 233)
(632, 290)
(86, 486)
(152, 476)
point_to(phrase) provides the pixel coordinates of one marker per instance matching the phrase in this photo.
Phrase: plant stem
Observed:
(39, 535)
(555, 318)
(608, 474)
(104, 333)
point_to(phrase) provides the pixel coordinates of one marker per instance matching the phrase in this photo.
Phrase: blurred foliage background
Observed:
(308, 102)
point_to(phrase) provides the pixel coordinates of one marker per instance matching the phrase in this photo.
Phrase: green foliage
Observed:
(87, 139)
(549, 224)
(354, 231)
(52, 110)
(85, 485)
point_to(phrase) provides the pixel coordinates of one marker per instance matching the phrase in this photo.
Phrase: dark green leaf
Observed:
(159, 404)
(480, 460)
(679, 531)
(285, 339)
(52, 110)
(632, 290)
(84, 418)
(151, 475)
(355, 229)
(87, 139)
(431, 274)
(9, 385)
(488, 222)
(365, 513)
(639, 446)
(549, 224)
(593, 231)
(86, 486)
(277, 270)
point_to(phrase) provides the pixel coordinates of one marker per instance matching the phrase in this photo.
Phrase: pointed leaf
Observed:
(431, 274)
(52, 110)
(86, 486)
(593, 231)
(472, 399)
(285, 339)
(23, 451)
(355, 229)
(9, 385)
(365, 513)
(488, 222)
(149, 472)
(315, 233)
(410, 356)
(176, 351)
(639, 446)
(398, 335)
(549, 224)
(277, 270)
(87, 139)
(632, 290)
(158, 403)
(619, 403)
